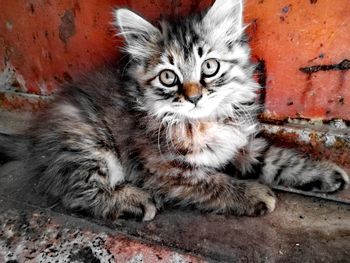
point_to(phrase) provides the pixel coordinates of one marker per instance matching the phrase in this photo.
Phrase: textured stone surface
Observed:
(31, 235)
(301, 229)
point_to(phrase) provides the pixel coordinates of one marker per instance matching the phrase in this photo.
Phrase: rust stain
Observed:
(128, 250)
(319, 145)
(341, 80)
(308, 87)
(23, 102)
(67, 27)
(285, 10)
(341, 67)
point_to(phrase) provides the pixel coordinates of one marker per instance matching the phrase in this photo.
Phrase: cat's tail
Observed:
(289, 168)
(277, 166)
(13, 147)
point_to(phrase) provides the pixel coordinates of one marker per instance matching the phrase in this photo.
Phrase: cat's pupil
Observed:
(168, 78)
(210, 67)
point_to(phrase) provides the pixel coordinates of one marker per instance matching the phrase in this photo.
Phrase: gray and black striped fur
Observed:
(119, 141)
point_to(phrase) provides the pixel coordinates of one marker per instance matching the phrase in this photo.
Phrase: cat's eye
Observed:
(168, 78)
(210, 67)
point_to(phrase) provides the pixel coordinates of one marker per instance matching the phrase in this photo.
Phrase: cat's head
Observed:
(195, 67)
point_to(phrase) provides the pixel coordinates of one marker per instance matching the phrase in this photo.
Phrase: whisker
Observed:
(158, 141)
(126, 65)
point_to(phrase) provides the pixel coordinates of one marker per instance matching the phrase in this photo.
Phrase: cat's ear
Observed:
(136, 31)
(225, 17)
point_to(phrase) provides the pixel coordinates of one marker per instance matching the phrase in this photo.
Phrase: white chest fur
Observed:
(211, 144)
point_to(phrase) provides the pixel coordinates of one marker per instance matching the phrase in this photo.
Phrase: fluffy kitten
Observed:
(165, 127)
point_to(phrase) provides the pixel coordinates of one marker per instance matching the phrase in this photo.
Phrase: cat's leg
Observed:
(286, 167)
(111, 204)
(77, 160)
(216, 192)
(89, 182)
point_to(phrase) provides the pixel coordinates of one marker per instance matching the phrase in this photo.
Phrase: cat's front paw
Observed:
(136, 202)
(331, 179)
(260, 199)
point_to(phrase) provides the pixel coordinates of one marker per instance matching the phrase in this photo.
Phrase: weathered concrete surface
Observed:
(30, 234)
(13, 101)
(300, 230)
(323, 141)
(14, 122)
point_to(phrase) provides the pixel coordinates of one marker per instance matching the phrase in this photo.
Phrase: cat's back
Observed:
(100, 88)
(88, 111)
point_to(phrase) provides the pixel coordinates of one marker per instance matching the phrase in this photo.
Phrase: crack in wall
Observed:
(344, 65)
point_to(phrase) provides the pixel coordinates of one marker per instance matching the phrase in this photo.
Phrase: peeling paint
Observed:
(11, 80)
(338, 123)
(18, 101)
(9, 25)
(329, 140)
(321, 141)
(67, 27)
(325, 134)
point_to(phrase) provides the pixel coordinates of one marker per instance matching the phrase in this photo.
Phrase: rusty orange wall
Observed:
(49, 41)
(290, 35)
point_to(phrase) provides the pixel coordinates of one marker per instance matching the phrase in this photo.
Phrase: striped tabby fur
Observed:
(164, 127)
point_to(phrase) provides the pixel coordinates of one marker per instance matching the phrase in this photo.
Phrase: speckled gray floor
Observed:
(302, 229)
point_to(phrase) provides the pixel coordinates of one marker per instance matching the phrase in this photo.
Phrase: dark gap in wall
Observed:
(261, 73)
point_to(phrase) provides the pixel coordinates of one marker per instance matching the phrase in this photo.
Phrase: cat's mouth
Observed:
(197, 111)
(204, 108)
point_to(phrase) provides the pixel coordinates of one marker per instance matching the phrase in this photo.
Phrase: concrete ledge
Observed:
(19, 101)
(320, 141)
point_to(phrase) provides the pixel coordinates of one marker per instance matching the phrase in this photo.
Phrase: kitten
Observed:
(164, 128)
